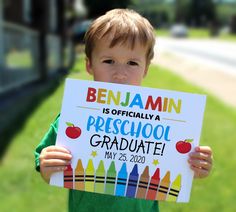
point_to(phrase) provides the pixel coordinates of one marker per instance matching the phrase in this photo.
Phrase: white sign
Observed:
(128, 140)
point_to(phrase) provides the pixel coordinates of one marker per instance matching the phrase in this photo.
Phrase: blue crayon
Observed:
(132, 182)
(121, 181)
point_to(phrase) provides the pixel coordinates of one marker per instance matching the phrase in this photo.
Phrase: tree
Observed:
(97, 7)
(181, 10)
(201, 13)
(233, 24)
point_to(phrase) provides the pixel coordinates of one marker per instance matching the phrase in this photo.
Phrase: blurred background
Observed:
(41, 43)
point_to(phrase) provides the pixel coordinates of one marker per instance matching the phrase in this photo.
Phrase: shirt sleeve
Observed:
(49, 139)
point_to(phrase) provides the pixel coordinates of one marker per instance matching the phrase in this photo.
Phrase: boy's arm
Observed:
(48, 157)
(48, 140)
(201, 161)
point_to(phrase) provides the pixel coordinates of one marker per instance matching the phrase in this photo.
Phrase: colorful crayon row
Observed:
(122, 184)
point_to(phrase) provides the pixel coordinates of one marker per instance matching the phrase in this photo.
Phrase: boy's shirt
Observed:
(86, 201)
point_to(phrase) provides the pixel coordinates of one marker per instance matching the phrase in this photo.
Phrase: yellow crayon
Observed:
(163, 187)
(89, 177)
(174, 189)
(79, 176)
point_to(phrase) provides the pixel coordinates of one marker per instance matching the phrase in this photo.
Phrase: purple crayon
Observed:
(132, 182)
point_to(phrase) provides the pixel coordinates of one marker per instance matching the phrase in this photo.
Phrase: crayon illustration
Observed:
(68, 177)
(121, 181)
(164, 187)
(79, 176)
(153, 185)
(89, 177)
(132, 182)
(100, 178)
(174, 189)
(143, 184)
(110, 179)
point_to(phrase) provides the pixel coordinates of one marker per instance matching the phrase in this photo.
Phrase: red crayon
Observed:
(68, 177)
(153, 185)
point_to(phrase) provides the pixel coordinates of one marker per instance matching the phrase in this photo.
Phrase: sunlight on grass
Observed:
(19, 59)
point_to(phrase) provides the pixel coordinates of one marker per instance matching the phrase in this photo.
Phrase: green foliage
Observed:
(201, 12)
(157, 12)
(22, 189)
(191, 12)
(225, 12)
(97, 7)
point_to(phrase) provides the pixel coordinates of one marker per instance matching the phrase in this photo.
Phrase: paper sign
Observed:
(129, 141)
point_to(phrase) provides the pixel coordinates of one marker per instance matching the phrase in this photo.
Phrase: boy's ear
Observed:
(89, 66)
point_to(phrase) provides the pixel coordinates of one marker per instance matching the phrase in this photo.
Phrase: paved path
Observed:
(214, 69)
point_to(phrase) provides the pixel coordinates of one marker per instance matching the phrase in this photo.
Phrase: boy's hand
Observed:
(201, 161)
(53, 159)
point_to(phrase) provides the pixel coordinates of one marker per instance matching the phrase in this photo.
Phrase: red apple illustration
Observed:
(184, 147)
(72, 131)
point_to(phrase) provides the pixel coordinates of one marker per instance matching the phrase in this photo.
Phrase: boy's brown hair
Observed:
(125, 27)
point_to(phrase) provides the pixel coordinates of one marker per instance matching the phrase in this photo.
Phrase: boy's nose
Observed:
(120, 75)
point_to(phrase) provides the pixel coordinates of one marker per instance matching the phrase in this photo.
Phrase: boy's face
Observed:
(119, 64)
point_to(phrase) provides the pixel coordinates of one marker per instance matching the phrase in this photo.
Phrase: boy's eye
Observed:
(132, 63)
(109, 61)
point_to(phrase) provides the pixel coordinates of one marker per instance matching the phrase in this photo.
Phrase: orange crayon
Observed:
(143, 184)
(163, 187)
(79, 176)
(153, 185)
(68, 177)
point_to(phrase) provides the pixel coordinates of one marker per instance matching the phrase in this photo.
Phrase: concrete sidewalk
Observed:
(217, 82)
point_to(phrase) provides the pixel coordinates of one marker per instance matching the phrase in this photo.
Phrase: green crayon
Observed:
(100, 178)
(110, 179)
(89, 177)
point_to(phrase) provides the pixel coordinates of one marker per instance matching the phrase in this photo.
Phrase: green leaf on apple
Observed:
(189, 140)
(69, 124)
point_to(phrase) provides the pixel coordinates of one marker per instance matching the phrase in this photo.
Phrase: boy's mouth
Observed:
(120, 82)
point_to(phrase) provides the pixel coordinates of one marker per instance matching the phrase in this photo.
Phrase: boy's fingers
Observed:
(204, 149)
(56, 149)
(55, 168)
(200, 164)
(55, 162)
(201, 156)
(199, 173)
(57, 155)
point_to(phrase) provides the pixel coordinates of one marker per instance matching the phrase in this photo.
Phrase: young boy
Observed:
(119, 48)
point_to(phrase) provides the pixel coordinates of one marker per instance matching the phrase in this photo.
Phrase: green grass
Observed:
(22, 189)
(228, 37)
(20, 59)
(198, 33)
(192, 33)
